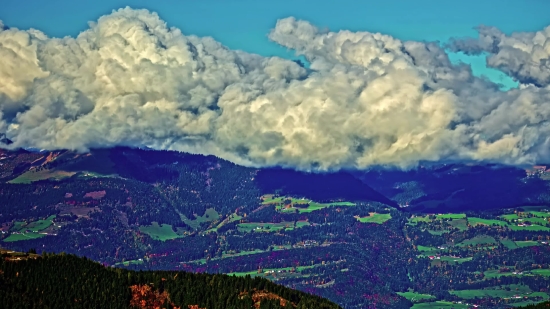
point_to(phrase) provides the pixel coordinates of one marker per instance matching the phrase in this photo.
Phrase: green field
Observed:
(536, 228)
(427, 251)
(495, 292)
(508, 243)
(478, 240)
(273, 200)
(412, 296)
(31, 176)
(209, 215)
(375, 218)
(24, 236)
(417, 219)
(541, 272)
(527, 243)
(439, 232)
(510, 217)
(426, 218)
(295, 202)
(313, 206)
(495, 274)
(440, 305)
(161, 232)
(128, 263)
(269, 227)
(479, 221)
(266, 271)
(461, 224)
(451, 216)
(452, 260)
(35, 228)
(424, 248)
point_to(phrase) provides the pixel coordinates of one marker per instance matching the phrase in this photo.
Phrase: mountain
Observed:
(5, 140)
(381, 238)
(459, 187)
(67, 281)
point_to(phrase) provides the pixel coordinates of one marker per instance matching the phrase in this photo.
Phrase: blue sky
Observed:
(244, 24)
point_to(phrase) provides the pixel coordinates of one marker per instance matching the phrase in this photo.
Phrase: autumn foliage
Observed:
(145, 297)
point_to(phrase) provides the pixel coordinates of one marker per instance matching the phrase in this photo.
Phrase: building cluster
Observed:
(537, 170)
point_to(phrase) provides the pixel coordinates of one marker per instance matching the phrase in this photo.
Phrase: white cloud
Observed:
(369, 99)
(523, 55)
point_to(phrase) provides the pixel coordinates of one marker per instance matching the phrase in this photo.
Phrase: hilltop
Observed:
(66, 281)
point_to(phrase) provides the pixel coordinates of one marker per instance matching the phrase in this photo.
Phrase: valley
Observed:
(332, 235)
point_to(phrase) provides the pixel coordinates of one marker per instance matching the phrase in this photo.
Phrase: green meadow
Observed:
(32, 176)
(161, 232)
(269, 226)
(209, 215)
(479, 221)
(515, 289)
(439, 305)
(412, 296)
(375, 218)
(478, 240)
(34, 229)
(295, 203)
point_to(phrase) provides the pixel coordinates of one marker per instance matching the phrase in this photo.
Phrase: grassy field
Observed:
(495, 274)
(495, 292)
(412, 296)
(451, 216)
(231, 218)
(510, 217)
(542, 272)
(128, 263)
(508, 243)
(461, 224)
(439, 232)
(424, 248)
(374, 218)
(427, 251)
(269, 227)
(527, 243)
(34, 227)
(453, 260)
(23, 236)
(426, 218)
(31, 176)
(478, 240)
(209, 215)
(479, 221)
(267, 271)
(536, 228)
(161, 232)
(439, 305)
(313, 206)
(296, 202)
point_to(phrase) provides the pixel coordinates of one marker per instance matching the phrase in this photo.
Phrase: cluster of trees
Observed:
(67, 281)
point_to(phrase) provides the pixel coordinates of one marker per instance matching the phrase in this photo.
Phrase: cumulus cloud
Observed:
(367, 99)
(523, 55)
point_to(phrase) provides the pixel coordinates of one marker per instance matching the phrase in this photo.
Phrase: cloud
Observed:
(367, 99)
(523, 55)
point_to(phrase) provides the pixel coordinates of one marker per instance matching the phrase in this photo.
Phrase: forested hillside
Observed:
(335, 235)
(67, 281)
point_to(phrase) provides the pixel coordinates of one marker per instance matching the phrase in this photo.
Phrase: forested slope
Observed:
(67, 281)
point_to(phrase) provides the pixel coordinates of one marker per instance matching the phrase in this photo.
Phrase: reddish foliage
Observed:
(96, 194)
(144, 297)
(257, 297)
